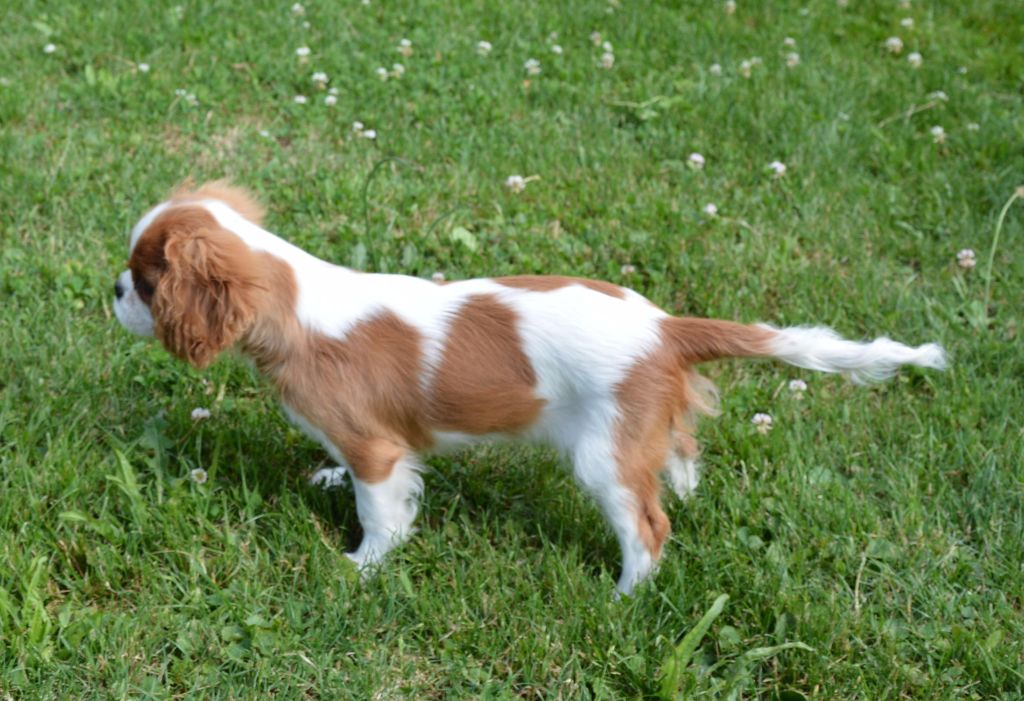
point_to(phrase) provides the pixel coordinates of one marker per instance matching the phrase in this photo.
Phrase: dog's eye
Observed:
(144, 288)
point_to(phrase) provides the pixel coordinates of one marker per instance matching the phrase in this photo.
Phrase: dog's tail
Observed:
(815, 348)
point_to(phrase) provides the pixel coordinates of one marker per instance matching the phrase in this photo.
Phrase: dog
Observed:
(381, 369)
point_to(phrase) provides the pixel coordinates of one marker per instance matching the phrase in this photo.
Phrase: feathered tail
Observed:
(815, 348)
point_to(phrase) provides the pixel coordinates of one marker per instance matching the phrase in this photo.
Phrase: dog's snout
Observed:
(118, 290)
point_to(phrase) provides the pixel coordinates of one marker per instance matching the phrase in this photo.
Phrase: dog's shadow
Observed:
(529, 487)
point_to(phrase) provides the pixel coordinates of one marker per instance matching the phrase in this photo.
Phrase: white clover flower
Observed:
(973, 126)
(939, 95)
(368, 134)
(438, 277)
(5, 81)
(607, 46)
(357, 127)
(306, 25)
(792, 59)
(915, 60)
(843, 117)
(938, 134)
(556, 49)
(711, 210)
(907, 22)
(730, 7)
(143, 68)
(330, 100)
(763, 423)
(264, 133)
(798, 387)
(553, 36)
(789, 42)
(962, 70)
(332, 91)
(532, 66)
(483, 47)
(515, 183)
(607, 60)
(200, 414)
(627, 269)
(321, 78)
(696, 160)
(965, 258)
(894, 45)
(404, 47)
(199, 475)
(298, 10)
(180, 92)
(715, 69)
(755, 61)
(904, 4)
(778, 168)
(382, 73)
(745, 68)
(299, 99)
(842, 3)
(595, 38)
(49, 48)
(302, 52)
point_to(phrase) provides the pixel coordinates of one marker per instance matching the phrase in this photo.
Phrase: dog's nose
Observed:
(118, 290)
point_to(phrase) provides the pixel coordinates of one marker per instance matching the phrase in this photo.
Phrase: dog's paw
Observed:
(329, 477)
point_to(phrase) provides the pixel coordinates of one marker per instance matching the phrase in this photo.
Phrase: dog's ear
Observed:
(207, 295)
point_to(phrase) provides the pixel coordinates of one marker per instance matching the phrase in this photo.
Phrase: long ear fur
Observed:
(207, 295)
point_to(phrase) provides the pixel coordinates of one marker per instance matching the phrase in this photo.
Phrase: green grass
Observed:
(883, 527)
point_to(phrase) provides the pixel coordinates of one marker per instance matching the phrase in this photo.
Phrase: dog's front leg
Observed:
(387, 485)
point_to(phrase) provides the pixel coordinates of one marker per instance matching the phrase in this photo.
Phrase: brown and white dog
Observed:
(383, 368)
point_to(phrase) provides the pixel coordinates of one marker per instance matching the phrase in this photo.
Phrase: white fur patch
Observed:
(387, 510)
(130, 310)
(821, 348)
(683, 475)
(329, 477)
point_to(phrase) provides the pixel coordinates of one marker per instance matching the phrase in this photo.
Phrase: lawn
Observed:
(881, 528)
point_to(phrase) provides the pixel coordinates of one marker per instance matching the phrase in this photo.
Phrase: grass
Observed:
(881, 527)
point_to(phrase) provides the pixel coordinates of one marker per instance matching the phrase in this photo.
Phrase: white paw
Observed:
(366, 564)
(329, 477)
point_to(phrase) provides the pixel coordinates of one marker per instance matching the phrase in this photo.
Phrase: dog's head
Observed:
(192, 282)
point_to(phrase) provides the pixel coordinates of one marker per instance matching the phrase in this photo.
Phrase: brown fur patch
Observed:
(362, 391)
(485, 383)
(547, 283)
(700, 340)
(238, 198)
(652, 398)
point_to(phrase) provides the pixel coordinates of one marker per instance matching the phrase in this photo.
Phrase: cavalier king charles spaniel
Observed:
(381, 369)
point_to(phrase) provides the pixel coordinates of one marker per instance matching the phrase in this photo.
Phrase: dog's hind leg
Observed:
(625, 486)
(699, 397)
(682, 468)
